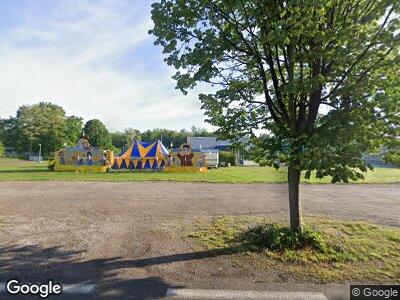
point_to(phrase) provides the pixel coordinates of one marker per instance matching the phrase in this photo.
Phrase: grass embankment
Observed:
(332, 250)
(18, 170)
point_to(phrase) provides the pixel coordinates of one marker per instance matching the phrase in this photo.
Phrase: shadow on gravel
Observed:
(33, 264)
(165, 259)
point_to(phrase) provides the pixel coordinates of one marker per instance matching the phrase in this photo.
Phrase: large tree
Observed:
(97, 134)
(310, 74)
(42, 123)
(73, 131)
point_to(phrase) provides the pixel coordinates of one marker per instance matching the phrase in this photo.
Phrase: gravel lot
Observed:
(127, 237)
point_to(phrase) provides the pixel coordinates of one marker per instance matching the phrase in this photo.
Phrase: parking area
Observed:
(129, 236)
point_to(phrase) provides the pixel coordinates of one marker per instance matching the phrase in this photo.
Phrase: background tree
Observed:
(97, 134)
(74, 127)
(122, 140)
(42, 123)
(118, 140)
(311, 74)
(132, 134)
(2, 128)
(2, 149)
(176, 138)
(9, 133)
(199, 131)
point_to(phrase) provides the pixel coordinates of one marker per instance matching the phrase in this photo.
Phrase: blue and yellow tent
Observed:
(142, 156)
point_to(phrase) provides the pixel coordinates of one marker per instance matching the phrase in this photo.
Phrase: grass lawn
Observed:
(351, 250)
(19, 170)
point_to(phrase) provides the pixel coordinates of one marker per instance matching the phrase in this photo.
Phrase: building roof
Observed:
(202, 142)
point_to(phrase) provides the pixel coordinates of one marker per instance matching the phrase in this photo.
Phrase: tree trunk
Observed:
(294, 201)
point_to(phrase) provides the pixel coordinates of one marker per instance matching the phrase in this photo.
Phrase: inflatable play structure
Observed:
(142, 156)
(185, 159)
(82, 158)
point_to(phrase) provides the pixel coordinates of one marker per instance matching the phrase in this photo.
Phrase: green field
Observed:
(19, 170)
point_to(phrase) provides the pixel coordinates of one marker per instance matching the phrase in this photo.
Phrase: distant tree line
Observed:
(170, 138)
(47, 124)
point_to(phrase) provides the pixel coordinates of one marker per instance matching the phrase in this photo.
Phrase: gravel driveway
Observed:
(127, 236)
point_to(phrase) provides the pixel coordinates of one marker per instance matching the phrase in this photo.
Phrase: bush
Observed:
(226, 157)
(51, 165)
(278, 238)
(1, 149)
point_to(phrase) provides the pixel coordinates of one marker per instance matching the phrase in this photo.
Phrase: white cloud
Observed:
(69, 55)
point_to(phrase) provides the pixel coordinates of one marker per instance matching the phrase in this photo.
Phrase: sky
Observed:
(93, 58)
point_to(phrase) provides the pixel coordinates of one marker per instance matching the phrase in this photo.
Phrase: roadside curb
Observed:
(78, 288)
(89, 289)
(233, 294)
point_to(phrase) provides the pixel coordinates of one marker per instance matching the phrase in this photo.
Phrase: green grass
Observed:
(349, 250)
(18, 170)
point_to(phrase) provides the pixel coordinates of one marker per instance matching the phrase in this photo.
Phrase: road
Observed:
(127, 237)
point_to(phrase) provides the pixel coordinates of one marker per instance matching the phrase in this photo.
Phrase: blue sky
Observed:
(95, 59)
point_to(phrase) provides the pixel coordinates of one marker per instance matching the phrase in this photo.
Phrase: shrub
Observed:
(1, 149)
(278, 238)
(227, 157)
(51, 165)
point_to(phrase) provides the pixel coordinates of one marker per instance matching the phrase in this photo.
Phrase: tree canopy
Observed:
(317, 77)
(46, 123)
(43, 123)
(74, 127)
(97, 134)
(121, 140)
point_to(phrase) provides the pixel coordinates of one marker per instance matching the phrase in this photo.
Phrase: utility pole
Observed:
(40, 152)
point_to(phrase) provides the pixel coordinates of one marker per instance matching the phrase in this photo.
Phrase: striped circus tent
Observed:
(142, 156)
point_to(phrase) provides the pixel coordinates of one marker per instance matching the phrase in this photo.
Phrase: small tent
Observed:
(142, 156)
